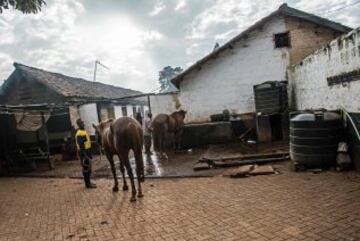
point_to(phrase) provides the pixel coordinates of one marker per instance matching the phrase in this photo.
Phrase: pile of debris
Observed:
(240, 160)
(251, 170)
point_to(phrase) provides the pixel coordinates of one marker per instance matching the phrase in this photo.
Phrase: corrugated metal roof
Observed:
(74, 87)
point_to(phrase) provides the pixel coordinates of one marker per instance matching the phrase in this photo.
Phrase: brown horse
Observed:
(163, 124)
(118, 138)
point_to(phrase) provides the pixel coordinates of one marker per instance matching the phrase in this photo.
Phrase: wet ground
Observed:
(179, 164)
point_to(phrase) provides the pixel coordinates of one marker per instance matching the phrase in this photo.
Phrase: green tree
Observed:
(165, 75)
(25, 6)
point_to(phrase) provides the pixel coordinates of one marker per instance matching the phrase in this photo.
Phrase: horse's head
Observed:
(179, 114)
(99, 130)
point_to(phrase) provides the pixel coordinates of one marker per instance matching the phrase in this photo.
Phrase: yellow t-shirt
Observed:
(85, 135)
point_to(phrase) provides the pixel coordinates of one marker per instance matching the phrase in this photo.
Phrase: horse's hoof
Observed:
(133, 199)
(115, 189)
(125, 188)
(140, 195)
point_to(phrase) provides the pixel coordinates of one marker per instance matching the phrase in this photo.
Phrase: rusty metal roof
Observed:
(70, 87)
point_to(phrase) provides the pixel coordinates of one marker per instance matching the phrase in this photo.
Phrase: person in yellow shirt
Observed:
(83, 144)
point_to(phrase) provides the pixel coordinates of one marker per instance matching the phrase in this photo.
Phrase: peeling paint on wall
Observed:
(74, 115)
(176, 101)
(309, 81)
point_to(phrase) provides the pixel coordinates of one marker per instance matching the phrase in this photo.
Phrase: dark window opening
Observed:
(282, 40)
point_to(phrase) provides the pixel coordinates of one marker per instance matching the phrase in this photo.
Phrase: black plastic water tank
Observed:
(314, 138)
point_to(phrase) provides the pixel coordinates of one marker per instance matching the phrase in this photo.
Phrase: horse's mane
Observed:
(105, 123)
(179, 112)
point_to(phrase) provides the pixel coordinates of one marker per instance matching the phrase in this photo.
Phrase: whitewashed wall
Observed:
(146, 110)
(308, 80)
(88, 113)
(118, 111)
(130, 110)
(164, 103)
(227, 81)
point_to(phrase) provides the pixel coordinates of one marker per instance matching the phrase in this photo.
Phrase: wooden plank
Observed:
(46, 134)
(247, 156)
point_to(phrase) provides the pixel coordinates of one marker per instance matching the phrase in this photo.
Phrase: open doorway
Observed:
(276, 127)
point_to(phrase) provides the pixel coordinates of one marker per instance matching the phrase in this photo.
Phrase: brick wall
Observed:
(306, 37)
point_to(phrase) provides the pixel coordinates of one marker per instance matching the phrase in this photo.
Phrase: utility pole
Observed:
(97, 62)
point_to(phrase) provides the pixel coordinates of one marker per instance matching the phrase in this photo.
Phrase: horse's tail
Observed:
(135, 136)
(111, 129)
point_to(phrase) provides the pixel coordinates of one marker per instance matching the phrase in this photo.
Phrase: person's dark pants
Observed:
(86, 165)
(147, 143)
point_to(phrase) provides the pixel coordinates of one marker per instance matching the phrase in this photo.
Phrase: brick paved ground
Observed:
(290, 206)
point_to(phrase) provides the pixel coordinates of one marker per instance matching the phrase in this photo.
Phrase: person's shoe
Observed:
(91, 185)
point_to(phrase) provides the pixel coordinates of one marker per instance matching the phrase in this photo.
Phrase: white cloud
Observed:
(239, 14)
(67, 37)
(233, 16)
(158, 8)
(226, 35)
(36, 36)
(7, 36)
(5, 65)
(343, 11)
(319, 6)
(193, 48)
(57, 40)
(152, 35)
(181, 4)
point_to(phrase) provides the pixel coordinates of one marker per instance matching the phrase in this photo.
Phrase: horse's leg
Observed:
(113, 170)
(122, 169)
(162, 144)
(178, 138)
(139, 170)
(131, 176)
(175, 141)
(156, 137)
(160, 139)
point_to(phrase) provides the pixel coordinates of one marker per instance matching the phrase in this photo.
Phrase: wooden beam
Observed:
(149, 104)
(46, 134)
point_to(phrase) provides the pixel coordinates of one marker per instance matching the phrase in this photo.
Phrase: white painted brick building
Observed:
(224, 79)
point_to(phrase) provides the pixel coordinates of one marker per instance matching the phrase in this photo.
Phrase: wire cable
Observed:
(341, 8)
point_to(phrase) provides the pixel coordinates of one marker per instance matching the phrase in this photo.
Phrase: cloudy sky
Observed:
(136, 38)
